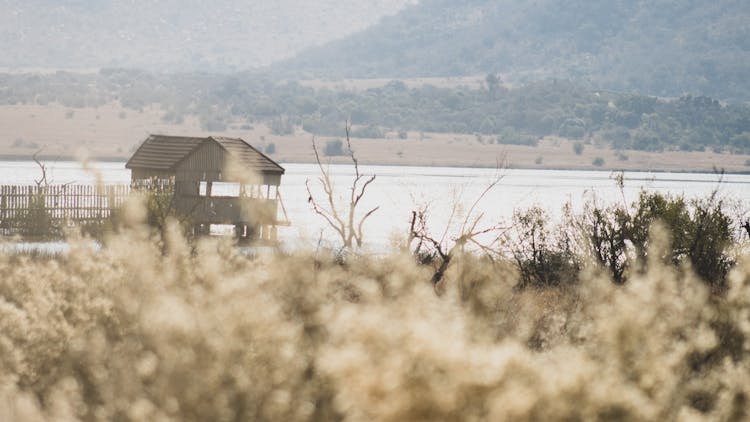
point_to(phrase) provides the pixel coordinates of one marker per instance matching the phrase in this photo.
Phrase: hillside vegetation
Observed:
(662, 47)
(519, 115)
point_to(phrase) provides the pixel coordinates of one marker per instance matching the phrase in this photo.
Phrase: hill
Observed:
(662, 47)
(173, 34)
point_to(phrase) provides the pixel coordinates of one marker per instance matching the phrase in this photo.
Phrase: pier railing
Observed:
(47, 210)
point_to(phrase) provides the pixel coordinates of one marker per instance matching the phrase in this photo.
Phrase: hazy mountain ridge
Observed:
(174, 35)
(662, 47)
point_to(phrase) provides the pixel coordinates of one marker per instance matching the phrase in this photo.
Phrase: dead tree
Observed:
(345, 223)
(445, 248)
(43, 168)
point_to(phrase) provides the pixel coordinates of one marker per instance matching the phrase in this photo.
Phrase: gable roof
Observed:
(162, 152)
(248, 156)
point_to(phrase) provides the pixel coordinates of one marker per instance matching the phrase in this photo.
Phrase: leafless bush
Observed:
(347, 224)
(428, 247)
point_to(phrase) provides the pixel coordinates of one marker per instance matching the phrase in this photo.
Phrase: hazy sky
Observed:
(175, 33)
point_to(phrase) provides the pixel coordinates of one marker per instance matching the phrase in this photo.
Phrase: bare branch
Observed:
(348, 129)
(468, 234)
(43, 180)
(350, 231)
(481, 196)
(362, 222)
(323, 212)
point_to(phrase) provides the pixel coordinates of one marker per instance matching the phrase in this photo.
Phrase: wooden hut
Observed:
(216, 180)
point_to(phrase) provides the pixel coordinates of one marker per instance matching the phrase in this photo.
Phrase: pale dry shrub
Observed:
(149, 328)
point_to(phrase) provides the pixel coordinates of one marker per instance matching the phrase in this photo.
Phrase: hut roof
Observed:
(161, 152)
(248, 156)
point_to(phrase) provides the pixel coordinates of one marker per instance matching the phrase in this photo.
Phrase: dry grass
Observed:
(203, 332)
(113, 132)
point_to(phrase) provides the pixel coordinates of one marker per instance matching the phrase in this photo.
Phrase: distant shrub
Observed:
(622, 156)
(740, 143)
(572, 129)
(334, 148)
(747, 162)
(320, 127)
(598, 161)
(539, 160)
(510, 136)
(371, 131)
(281, 126)
(403, 134)
(270, 149)
(618, 136)
(578, 148)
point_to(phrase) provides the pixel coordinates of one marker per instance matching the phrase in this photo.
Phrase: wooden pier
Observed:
(44, 211)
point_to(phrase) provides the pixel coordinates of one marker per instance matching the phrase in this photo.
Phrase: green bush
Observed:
(37, 222)
(700, 234)
(543, 258)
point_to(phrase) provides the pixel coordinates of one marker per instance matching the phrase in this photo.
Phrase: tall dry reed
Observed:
(147, 328)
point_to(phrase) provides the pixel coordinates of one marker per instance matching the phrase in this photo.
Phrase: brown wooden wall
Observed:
(204, 164)
(211, 163)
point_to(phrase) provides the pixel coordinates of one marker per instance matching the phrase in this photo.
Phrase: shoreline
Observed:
(394, 163)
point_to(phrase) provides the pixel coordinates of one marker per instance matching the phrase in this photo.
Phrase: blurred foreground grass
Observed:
(151, 328)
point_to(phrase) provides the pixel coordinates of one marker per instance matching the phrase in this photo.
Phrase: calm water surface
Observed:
(398, 190)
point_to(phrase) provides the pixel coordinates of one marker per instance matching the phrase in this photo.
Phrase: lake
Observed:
(399, 190)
